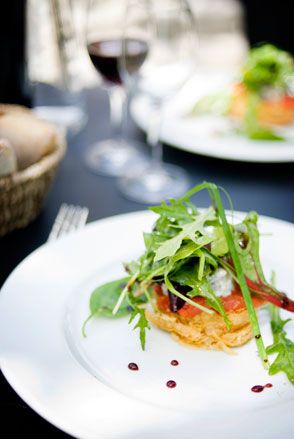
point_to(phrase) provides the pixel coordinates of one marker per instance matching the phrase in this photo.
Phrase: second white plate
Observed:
(209, 135)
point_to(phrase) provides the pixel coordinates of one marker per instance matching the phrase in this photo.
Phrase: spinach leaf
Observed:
(104, 298)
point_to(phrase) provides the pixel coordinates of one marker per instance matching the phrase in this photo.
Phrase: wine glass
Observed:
(117, 154)
(169, 63)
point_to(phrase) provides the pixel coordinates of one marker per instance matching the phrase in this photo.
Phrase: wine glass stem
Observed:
(116, 100)
(125, 113)
(153, 138)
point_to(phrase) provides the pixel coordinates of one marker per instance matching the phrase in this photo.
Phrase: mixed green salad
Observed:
(266, 76)
(184, 249)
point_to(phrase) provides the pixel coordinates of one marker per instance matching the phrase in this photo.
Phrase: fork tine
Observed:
(72, 224)
(69, 218)
(83, 216)
(78, 218)
(58, 222)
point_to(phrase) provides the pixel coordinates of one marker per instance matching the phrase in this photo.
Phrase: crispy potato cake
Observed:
(206, 331)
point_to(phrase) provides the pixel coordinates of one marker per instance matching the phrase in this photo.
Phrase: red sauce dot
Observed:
(171, 384)
(174, 363)
(268, 385)
(133, 366)
(257, 389)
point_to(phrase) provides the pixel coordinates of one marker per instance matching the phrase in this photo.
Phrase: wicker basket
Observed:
(22, 193)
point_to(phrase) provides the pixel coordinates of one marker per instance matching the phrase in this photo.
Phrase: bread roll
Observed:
(7, 158)
(30, 137)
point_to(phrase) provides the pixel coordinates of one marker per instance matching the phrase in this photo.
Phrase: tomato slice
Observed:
(190, 311)
(163, 303)
(233, 302)
(288, 101)
(236, 302)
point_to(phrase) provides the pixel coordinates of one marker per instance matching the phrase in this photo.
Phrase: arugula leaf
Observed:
(261, 133)
(246, 237)
(215, 302)
(219, 246)
(173, 290)
(187, 276)
(251, 265)
(142, 323)
(176, 210)
(217, 103)
(189, 230)
(281, 345)
(185, 251)
(215, 194)
(251, 126)
(267, 65)
(132, 267)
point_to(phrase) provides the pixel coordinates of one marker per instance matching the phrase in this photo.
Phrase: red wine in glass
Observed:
(106, 55)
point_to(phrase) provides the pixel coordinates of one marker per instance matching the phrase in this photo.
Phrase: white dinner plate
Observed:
(210, 135)
(83, 385)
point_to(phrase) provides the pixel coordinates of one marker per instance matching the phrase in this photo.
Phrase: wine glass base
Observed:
(115, 158)
(153, 185)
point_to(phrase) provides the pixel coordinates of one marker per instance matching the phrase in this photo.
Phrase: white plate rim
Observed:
(20, 389)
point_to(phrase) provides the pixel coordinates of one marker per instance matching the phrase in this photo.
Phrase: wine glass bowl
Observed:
(115, 155)
(104, 55)
(134, 52)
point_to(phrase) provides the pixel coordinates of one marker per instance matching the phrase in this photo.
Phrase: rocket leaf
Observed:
(282, 346)
(189, 230)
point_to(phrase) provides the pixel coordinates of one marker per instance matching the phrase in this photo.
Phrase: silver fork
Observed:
(69, 218)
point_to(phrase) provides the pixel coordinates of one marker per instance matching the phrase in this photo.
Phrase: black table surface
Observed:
(266, 188)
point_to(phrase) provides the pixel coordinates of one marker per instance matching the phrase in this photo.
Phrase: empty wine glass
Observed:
(169, 63)
(104, 35)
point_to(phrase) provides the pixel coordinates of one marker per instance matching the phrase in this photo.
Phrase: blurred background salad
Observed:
(226, 29)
